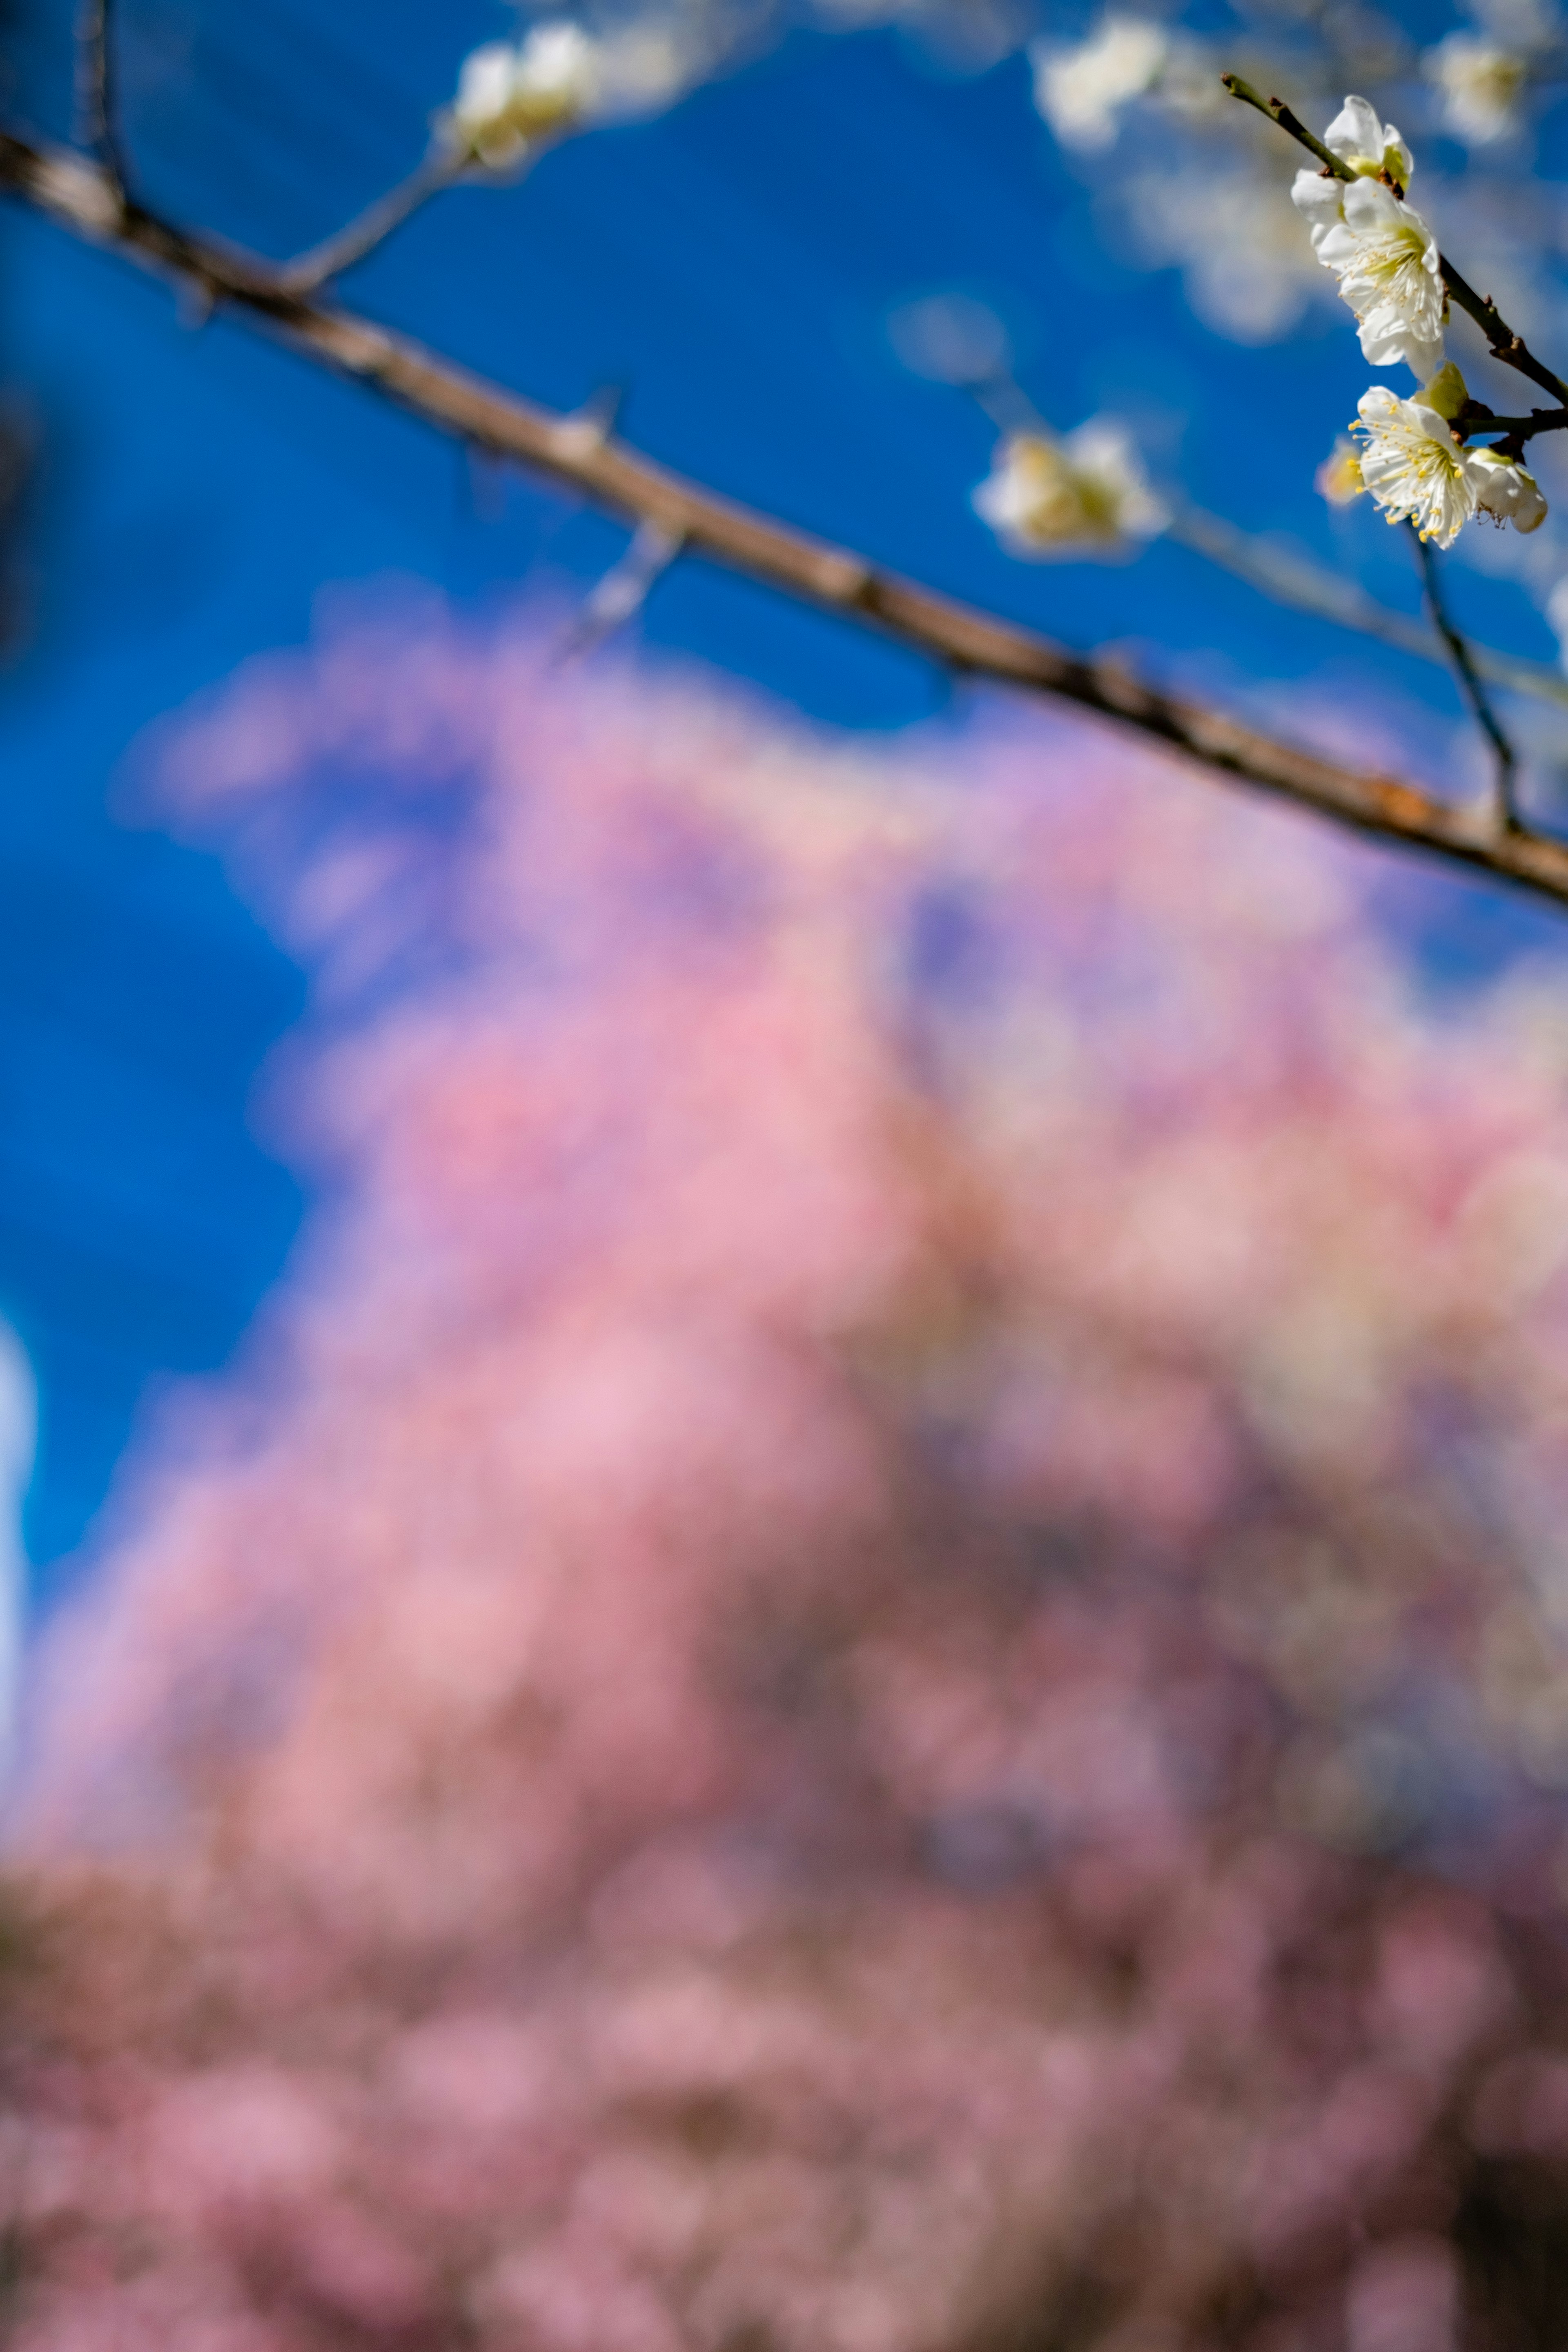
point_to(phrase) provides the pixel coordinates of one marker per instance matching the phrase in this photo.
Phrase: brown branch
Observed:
(1510, 349)
(1469, 423)
(581, 454)
(1278, 111)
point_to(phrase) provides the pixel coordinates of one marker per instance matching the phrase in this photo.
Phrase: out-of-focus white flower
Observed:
(1415, 468)
(1411, 465)
(1386, 259)
(643, 66)
(1081, 90)
(1505, 491)
(1481, 83)
(1188, 81)
(1085, 493)
(509, 97)
(1337, 478)
(1238, 242)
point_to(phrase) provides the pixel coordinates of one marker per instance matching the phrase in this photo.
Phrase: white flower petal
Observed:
(1387, 260)
(1367, 145)
(1320, 202)
(1505, 491)
(1355, 132)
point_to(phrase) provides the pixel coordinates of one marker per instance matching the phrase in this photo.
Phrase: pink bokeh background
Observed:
(874, 1653)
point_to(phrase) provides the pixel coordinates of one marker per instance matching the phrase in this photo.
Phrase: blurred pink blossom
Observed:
(876, 1659)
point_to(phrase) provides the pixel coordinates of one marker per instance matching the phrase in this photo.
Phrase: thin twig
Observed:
(1510, 349)
(97, 113)
(583, 455)
(1470, 685)
(624, 589)
(371, 228)
(1278, 111)
(1469, 423)
(1292, 579)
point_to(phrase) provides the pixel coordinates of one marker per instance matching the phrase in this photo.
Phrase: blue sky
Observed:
(731, 266)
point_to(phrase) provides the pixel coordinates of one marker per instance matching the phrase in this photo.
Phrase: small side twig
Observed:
(1278, 111)
(1471, 421)
(1505, 345)
(624, 590)
(97, 124)
(1486, 717)
(370, 228)
(1296, 579)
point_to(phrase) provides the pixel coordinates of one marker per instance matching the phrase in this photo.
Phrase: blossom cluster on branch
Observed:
(514, 96)
(877, 1655)
(1386, 259)
(1135, 106)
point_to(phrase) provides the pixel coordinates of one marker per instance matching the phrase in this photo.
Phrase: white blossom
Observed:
(1382, 251)
(1357, 137)
(511, 97)
(1505, 490)
(1411, 465)
(1085, 493)
(1081, 90)
(1480, 82)
(1380, 248)
(1237, 241)
(1417, 470)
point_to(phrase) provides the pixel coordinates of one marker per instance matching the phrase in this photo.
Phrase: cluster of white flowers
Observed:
(511, 96)
(1084, 494)
(1081, 90)
(1416, 471)
(1387, 260)
(1376, 243)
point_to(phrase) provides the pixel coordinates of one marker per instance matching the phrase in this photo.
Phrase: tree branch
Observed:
(97, 126)
(1506, 346)
(582, 454)
(1471, 685)
(1467, 426)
